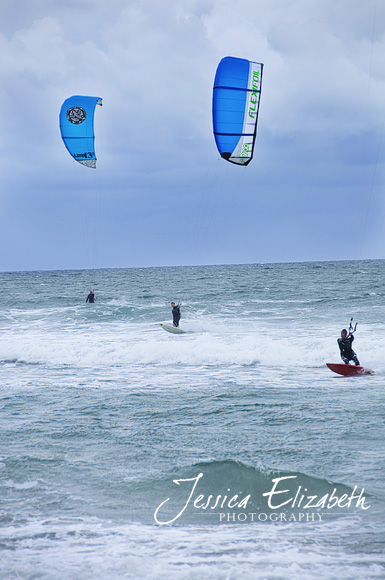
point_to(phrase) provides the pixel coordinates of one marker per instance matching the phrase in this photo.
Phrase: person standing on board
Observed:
(345, 344)
(175, 314)
(91, 297)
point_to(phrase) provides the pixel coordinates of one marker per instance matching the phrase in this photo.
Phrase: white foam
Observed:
(91, 550)
(208, 343)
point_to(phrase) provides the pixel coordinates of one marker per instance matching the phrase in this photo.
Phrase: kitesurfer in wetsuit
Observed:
(91, 297)
(175, 314)
(345, 344)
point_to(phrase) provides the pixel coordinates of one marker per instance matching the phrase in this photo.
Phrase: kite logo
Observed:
(254, 94)
(245, 150)
(87, 155)
(76, 115)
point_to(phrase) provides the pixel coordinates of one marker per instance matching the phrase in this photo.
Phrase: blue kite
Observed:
(77, 128)
(236, 96)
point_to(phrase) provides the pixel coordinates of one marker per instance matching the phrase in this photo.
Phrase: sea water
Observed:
(129, 452)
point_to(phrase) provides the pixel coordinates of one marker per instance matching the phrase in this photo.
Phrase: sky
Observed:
(161, 195)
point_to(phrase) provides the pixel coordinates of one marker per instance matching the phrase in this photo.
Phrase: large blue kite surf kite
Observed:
(236, 96)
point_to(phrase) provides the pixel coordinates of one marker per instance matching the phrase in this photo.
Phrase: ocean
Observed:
(228, 452)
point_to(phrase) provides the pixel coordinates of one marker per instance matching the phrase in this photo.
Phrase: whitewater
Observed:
(128, 452)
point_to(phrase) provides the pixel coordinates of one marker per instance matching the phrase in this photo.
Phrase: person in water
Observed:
(175, 314)
(345, 344)
(91, 297)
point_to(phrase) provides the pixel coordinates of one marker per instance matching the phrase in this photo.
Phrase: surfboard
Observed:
(172, 329)
(349, 370)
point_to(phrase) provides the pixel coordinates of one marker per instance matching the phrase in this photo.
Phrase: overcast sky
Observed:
(160, 194)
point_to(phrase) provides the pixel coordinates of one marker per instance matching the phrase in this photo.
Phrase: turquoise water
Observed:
(102, 411)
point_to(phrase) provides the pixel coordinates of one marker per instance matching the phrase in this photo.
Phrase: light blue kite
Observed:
(77, 128)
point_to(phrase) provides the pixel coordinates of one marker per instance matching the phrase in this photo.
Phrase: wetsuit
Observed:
(176, 315)
(90, 298)
(347, 353)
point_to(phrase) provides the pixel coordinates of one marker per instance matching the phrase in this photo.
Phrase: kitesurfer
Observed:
(345, 344)
(175, 314)
(91, 297)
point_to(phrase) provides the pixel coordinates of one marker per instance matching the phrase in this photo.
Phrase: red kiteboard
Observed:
(349, 370)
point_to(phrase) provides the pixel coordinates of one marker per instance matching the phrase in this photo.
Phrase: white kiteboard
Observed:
(172, 329)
